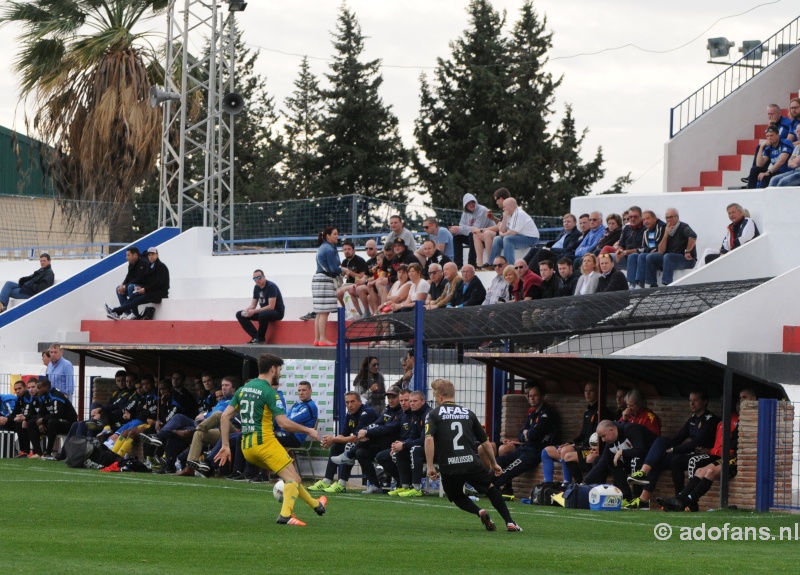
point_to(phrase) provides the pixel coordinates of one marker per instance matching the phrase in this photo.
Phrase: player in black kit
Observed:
(451, 432)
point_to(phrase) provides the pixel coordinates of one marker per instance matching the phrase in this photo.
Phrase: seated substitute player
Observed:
(359, 416)
(695, 437)
(257, 405)
(408, 453)
(636, 411)
(54, 416)
(577, 456)
(451, 432)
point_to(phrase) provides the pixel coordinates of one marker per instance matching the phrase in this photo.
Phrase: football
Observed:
(277, 491)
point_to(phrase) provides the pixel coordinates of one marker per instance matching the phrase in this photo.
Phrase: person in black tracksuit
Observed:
(55, 415)
(409, 453)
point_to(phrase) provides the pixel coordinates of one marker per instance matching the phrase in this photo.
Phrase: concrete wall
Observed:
(698, 147)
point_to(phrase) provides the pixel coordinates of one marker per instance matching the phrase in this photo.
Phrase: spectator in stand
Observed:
(442, 239)
(402, 257)
(266, 306)
(399, 291)
(624, 219)
(516, 231)
(484, 237)
(631, 237)
(549, 285)
(636, 411)
(399, 232)
(362, 287)
(794, 113)
(137, 269)
(28, 286)
(60, 372)
(792, 176)
(474, 217)
(438, 284)
(432, 255)
(451, 276)
(417, 291)
(497, 288)
(54, 416)
(771, 158)
(566, 280)
(354, 269)
(324, 283)
(566, 243)
(154, 288)
(592, 237)
(651, 236)
(587, 282)
(531, 281)
(740, 231)
(611, 279)
(611, 236)
(513, 286)
(370, 384)
(583, 228)
(376, 287)
(676, 250)
(469, 291)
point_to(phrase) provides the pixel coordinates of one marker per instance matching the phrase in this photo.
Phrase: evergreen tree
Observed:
(572, 177)
(619, 185)
(359, 145)
(303, 117)
(460, 130)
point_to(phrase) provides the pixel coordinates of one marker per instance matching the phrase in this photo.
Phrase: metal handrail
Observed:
(734, 77)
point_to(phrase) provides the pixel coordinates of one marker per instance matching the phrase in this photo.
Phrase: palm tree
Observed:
(88, 75)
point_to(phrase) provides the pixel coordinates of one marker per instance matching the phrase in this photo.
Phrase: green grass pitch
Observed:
(61, 521)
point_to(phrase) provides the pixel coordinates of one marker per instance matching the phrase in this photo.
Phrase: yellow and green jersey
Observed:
(257, 403)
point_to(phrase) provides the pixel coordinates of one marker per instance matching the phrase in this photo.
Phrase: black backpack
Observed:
(149, 312)
(542, 493)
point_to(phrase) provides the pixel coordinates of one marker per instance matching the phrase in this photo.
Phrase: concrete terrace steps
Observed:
(198, 332)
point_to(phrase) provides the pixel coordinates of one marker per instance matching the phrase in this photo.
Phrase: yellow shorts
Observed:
(269, 455)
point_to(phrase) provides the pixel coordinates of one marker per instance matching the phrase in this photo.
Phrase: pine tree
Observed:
(460, 128)
(359, 146)
(303, 117)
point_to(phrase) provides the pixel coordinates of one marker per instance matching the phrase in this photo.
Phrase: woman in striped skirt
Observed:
(323, 286)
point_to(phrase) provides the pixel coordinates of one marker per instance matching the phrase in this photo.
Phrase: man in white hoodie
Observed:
(475, 216)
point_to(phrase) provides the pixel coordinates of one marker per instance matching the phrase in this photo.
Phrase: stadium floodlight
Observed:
(752, 50)
(719, 47)
(781, 49)
(236, 5)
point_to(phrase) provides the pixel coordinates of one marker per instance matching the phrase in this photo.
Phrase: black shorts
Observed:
(453, 485)
(700, 461)
(583, 453)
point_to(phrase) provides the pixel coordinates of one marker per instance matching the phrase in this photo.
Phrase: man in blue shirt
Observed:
(266, 306)
(590, 239)
(771, 158)
(441, 236)
(60, 371)
(304, 411)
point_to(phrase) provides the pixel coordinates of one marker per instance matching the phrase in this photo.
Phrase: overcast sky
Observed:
(622, 96)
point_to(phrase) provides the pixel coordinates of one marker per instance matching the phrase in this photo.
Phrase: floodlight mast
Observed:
(196, 130)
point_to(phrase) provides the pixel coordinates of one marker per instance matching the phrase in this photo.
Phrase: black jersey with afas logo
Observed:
(455, 430)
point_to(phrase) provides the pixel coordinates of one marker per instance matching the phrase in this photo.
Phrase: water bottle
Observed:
(473, 498)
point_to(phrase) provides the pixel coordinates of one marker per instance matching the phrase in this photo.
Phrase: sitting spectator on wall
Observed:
(363, 288)
(354, 269)
(431, 255)
(611, 236)
(469, 291)
(417, 291)
(549, 277)
(452, 279)
(399, 291)
(792, 176)
(566, 280)
(566, 243)
(636, 411)
(137, 268)
(403, 256)
(266, 306)
(154, 288)
(474, 217)
(590, 276)
(437, 282)
(442, 239)
(497, 288)
(29, 286)
(611, 279)
(484, 237)
(771, 158)
(516, 231)
(740, 231)
(651, 237)
(592, 236)
(631, 237)
(399, 232)
(531, 282)
(676, 250)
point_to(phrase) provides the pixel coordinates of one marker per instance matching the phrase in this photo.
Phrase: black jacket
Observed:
(571, 240)
(473, 295)
(136, 272)
(39, 281)
(615, 281)
(156, 282)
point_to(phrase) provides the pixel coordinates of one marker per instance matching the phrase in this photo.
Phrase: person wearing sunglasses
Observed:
(266, 306)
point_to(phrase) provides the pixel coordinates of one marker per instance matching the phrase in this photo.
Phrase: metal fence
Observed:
(787, 457)
(755, 61)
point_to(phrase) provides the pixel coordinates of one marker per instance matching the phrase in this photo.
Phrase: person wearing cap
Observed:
(771, 158)
(137, 269)
(153, 288)
(398, 231)
(403, 256)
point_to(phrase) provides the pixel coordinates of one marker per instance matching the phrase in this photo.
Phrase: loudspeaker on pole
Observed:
(158, 96)
(232, 103)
